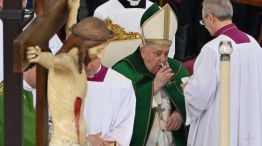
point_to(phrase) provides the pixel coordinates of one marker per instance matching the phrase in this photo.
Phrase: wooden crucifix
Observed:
(51, 16)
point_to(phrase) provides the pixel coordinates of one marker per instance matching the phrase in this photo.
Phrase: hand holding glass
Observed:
(162, 65)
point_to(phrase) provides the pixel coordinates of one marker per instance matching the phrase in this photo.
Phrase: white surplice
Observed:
(202, 95)
(129, 18)
(110, 108)
(158, 135)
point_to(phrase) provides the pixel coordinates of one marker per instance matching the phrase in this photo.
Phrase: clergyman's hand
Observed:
(96, 140)
(174, 121)
(162, 77)
(108, 143)
(33, 54)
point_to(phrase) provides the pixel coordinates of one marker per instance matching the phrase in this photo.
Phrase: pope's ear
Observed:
(142, 49)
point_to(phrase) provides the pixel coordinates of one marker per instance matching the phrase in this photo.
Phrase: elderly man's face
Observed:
(153, 56)
(92, 67)
(208, 19)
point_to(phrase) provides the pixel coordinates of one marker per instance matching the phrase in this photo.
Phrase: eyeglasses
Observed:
(202, 21)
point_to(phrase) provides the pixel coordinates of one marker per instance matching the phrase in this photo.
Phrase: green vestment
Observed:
(133, 68)
(29, 118)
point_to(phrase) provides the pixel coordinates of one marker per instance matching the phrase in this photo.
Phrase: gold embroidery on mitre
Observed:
(160, 42)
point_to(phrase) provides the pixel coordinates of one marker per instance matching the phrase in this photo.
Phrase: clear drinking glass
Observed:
(162, 65)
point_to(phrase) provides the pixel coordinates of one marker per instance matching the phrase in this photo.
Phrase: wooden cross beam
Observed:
(52, 15)
(11, 16)
(40, 31)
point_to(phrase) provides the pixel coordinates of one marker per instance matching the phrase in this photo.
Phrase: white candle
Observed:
(225, 49)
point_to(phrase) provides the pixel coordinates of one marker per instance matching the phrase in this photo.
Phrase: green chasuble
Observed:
(133, 68)
(29, 118)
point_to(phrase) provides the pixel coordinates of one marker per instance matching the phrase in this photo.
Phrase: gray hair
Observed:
(222, 9)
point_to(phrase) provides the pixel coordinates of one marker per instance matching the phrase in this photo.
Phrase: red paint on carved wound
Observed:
(77, 109)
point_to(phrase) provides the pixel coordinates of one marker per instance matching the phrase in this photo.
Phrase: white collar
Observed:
(133, 3)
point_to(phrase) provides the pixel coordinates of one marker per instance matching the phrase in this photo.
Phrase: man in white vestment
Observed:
(202, 91)
(160, 111)
(110, 106)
